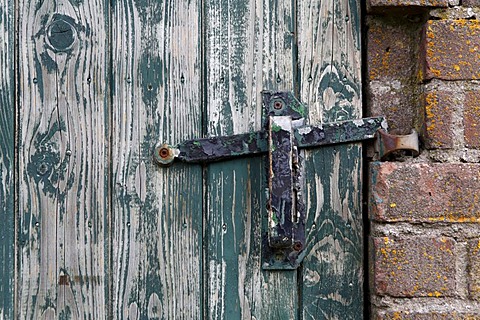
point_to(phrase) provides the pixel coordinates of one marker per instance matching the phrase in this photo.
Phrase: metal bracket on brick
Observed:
(284, 134)
(386, 143)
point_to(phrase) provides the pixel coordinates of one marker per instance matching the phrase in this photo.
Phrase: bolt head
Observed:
(164, 155)
(278, 105)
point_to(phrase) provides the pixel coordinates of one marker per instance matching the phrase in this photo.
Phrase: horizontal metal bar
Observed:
(338, 132)
(240, 145)
(223, 147)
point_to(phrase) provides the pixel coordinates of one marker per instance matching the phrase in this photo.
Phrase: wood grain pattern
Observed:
(63, 177)
(157, 220)
(329, 59)
(7, 83)
(103, 232)
(249, 47)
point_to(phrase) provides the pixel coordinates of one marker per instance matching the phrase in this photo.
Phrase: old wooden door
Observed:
(91, 228)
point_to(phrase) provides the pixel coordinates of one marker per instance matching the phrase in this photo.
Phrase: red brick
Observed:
(474, 268)
(424, 192)
(406, 3)
(414, 266)
(471, 119)
(389, 49)
(392, 71)
(439, 106)
(398, 108)
(413, 315)
(452, 49)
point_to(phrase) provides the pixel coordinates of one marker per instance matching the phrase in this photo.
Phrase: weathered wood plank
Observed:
(329, 59)
(7, 139)
(157, 212)
(249, 47)
(62, 155)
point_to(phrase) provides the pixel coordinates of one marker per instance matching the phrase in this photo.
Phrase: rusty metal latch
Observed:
(284, 134)
(386, 143)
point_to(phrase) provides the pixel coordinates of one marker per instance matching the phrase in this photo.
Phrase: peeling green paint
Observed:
(7, 158)
(230, 222)
(48, 62)
(276, 127)
(151, 13)
(151, 70)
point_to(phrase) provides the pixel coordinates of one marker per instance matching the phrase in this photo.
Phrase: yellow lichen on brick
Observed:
(428, 256)
(453, 218)
(434, 294)
(431, 105)
(430, 33)
(477, 248)
(397, 316)
(420, 74)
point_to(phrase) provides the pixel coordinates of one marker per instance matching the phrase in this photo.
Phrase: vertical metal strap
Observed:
(281, 202)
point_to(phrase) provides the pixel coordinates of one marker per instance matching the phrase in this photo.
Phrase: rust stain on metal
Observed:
(163, 153)
(387, 143)
(298, 246)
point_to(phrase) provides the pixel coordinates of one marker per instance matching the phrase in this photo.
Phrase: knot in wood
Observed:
(61, 34)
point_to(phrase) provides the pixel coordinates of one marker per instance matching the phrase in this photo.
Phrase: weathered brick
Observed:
(389, 49)
(414, 315)
(389, 99)
(474, 268)
(471, 119)
(471, 3)
(414, 266)
(452, 49)
(392, 70)
(424, 192)
(439, 106)
(406, 3)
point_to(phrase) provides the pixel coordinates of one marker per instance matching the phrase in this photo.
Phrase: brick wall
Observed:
(423, 72)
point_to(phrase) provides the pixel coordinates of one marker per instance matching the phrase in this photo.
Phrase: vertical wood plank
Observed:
(329, 59)
(62, 155)
(7, 139)
(249, 47)
(157, 212)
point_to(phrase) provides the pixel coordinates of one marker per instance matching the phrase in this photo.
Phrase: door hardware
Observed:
(284, 135)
